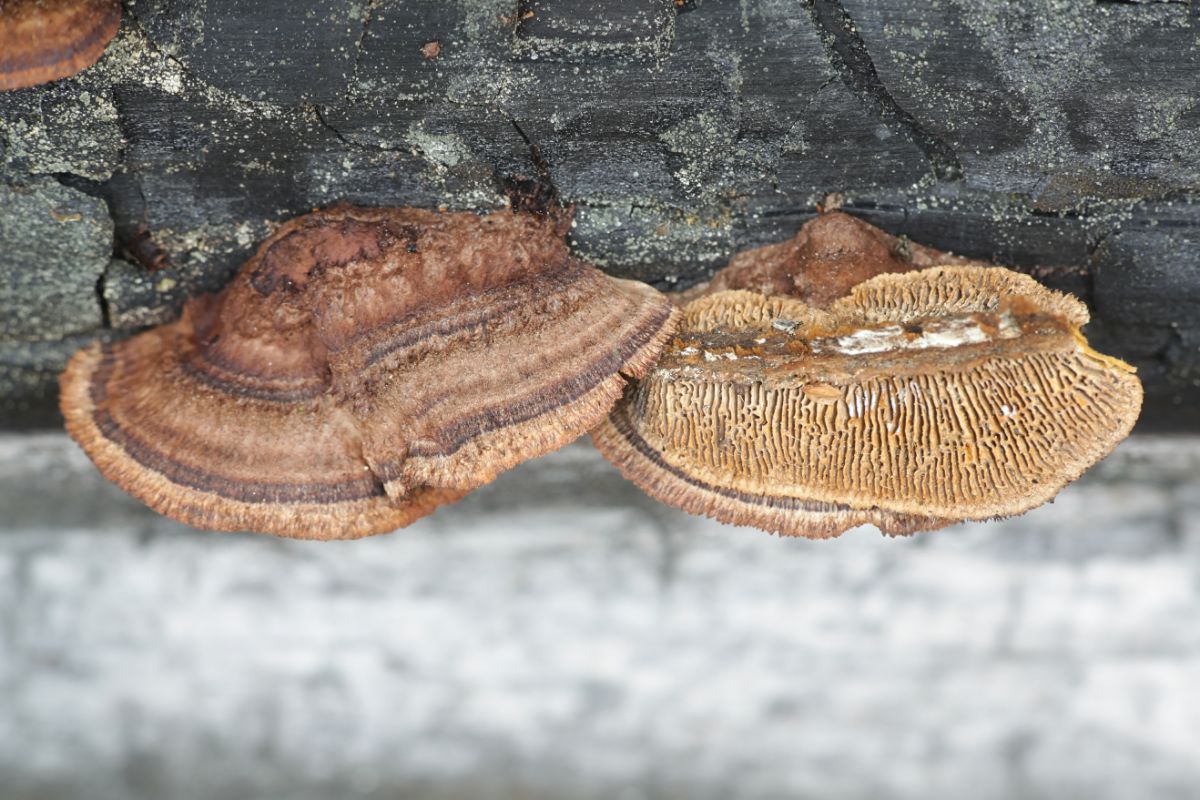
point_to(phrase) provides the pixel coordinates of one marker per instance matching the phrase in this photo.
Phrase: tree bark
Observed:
(1065, 144)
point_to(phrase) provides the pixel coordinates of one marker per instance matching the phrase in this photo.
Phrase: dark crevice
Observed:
(535, 153)
(881, 206)
(538, 193)
(320, 115)
(317, 112)
(865, 205)
(1073, 212)
(848, 53)
(102, 300)
(101, 190)
(788, 211)
(89, 186)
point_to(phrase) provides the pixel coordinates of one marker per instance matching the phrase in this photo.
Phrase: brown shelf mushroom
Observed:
(45, 40)
(365, 366)
(919, 399)
(828, 256)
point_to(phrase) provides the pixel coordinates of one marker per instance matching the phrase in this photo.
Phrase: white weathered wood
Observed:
(558, 635)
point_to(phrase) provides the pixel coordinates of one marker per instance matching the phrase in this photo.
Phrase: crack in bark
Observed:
(101, 190)
(320, 116)
(102, 301)
(540, 194)
(89, 186)
(535, 155)
(849, 55)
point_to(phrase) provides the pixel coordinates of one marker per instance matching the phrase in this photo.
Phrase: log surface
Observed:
(1061, 140)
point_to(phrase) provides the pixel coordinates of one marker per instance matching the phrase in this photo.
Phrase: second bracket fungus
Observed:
(365, 366)
(45, 40)
(917, 400)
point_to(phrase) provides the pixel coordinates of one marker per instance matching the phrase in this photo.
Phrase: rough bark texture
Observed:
(1061, 139)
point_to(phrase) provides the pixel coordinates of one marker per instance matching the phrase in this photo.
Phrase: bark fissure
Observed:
(849, 56)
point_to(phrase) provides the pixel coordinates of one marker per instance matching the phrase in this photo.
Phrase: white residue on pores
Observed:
(942, 333)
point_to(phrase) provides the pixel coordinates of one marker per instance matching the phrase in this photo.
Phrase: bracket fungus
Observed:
(917, 400)
(45, 40)
(363, 367)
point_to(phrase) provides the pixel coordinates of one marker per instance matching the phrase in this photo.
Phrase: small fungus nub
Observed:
(827, 257)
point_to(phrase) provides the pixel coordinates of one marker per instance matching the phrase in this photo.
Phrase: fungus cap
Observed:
(829, 255)
(45, 40)
(365, 366)
(918, 399)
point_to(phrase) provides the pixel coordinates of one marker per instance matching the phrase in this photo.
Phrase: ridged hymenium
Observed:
(918, 399)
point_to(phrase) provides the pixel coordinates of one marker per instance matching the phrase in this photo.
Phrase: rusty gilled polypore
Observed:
(917, 400)
(45, 40)
(365, 366)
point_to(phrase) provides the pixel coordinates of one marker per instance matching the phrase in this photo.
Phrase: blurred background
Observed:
(559, 635)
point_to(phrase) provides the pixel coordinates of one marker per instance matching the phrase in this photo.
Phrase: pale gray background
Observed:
(557, 635)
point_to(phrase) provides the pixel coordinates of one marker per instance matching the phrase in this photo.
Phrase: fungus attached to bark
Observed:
(917, 400)
(363, 367)
(828, 256)
(44, 40)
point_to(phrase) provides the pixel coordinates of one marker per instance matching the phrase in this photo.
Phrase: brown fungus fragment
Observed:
(917, 400)
(365, 366)
(45, 40)
(830, 254)
(141, 249)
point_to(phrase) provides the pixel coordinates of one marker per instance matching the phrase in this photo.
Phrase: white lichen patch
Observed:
(76, 132)
(441, 150)
(134, 58)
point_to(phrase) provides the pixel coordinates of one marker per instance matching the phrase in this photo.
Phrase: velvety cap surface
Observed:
(363, 367)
